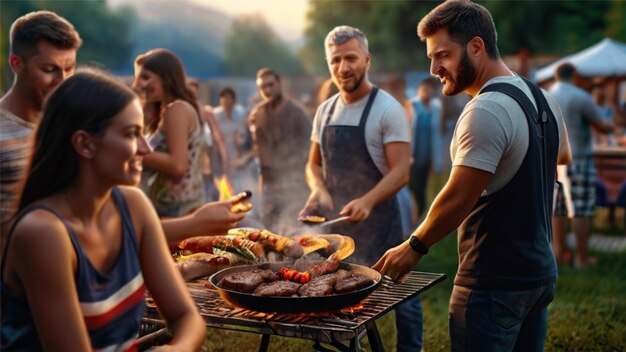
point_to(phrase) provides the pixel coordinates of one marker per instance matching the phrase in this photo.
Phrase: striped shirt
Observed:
(112, 303)
(15, 146)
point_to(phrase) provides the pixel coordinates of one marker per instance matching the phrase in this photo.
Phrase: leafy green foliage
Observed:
(548, 27)
(539, 26)
(252, 44)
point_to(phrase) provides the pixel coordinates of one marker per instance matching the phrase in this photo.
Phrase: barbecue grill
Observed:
(342, 329)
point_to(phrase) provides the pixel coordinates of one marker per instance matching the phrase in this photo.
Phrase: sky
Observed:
(286, 17)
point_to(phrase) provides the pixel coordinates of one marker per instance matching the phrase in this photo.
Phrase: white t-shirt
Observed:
(492, 133)
(386, 123)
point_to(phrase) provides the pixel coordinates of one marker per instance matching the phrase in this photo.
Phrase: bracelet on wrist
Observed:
(418, 246)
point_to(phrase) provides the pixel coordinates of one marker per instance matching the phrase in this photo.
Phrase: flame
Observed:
(224, 187)
(353, 309)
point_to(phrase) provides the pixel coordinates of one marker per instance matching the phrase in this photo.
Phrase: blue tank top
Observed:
(112, 303)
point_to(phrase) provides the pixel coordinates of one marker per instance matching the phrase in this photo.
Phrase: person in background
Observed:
(581, 115)
(359, 160)
(177, 188)
(43, 53)
(396, 86)
(426, 141)
(241, 165)
(86, 244)
(326, 91)
(499, 191)
(608, 112)
(215, 148)
(279, 127)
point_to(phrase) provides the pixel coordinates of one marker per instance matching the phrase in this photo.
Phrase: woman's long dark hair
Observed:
(165, 64)
(86, 101)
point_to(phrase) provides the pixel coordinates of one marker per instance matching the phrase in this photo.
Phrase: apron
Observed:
(349, 172)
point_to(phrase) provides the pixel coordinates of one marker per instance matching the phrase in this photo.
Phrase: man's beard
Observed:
(357, 84)
(466, 74)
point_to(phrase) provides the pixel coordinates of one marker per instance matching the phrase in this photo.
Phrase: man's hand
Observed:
(398, 262)
(319, 203)
(358, 209)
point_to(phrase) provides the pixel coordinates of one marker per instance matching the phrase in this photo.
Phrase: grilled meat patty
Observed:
(322, 285)
(247, 281)
(352, 283)
(278, 288)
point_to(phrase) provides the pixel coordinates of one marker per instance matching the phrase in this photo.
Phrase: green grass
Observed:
(588, 313)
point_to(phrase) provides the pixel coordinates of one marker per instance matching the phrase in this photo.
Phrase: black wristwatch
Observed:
(418, 245)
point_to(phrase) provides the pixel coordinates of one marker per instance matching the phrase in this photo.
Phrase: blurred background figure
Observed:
(396, 86)
(240, 165)
(327, 90)
(580, 114)
(215, 150)
(608, 111)
(280, 129)
(426, 147)
(177, 187)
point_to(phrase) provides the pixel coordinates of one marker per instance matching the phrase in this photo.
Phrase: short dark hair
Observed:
(228, 91)
(565, 71)
(429, 81)
(34, 27)
(267, 71)
(87, 101)
(464, 20)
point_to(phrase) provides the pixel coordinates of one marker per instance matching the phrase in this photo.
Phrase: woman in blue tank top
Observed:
(86, 243)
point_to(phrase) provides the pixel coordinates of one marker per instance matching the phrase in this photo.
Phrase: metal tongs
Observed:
(338, 220)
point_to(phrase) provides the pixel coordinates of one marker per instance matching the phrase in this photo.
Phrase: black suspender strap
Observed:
(539, 116)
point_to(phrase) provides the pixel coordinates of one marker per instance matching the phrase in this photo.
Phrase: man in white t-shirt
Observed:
(499, 191)
(359, 160)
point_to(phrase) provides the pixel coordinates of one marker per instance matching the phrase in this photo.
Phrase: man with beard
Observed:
(359, 160)
(499, 191)
(279, 127)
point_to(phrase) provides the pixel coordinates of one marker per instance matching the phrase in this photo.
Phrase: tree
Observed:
(539, 26)
(105, 33)
(251, 44)
(548, 27)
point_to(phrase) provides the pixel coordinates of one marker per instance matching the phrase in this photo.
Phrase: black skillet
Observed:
(295, 304)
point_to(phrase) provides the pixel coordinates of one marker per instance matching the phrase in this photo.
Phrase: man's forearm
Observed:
(389, 185)
(455, 201)
(314, 177)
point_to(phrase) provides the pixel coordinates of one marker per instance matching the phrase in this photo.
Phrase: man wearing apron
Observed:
(359, 160)
(506, 145)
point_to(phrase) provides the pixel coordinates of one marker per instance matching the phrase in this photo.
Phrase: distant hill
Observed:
(193, 31)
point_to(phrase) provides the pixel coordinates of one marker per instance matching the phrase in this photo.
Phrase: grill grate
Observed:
(326, 327)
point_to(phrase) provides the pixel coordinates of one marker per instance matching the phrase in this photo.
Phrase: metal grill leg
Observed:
(373, 336)
(265, 342)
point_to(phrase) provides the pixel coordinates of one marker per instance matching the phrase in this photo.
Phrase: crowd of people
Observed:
(98, 178)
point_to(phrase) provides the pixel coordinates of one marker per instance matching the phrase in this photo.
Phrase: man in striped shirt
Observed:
(43, 53)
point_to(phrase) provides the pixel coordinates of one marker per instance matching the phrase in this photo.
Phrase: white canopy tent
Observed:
(605, 59)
